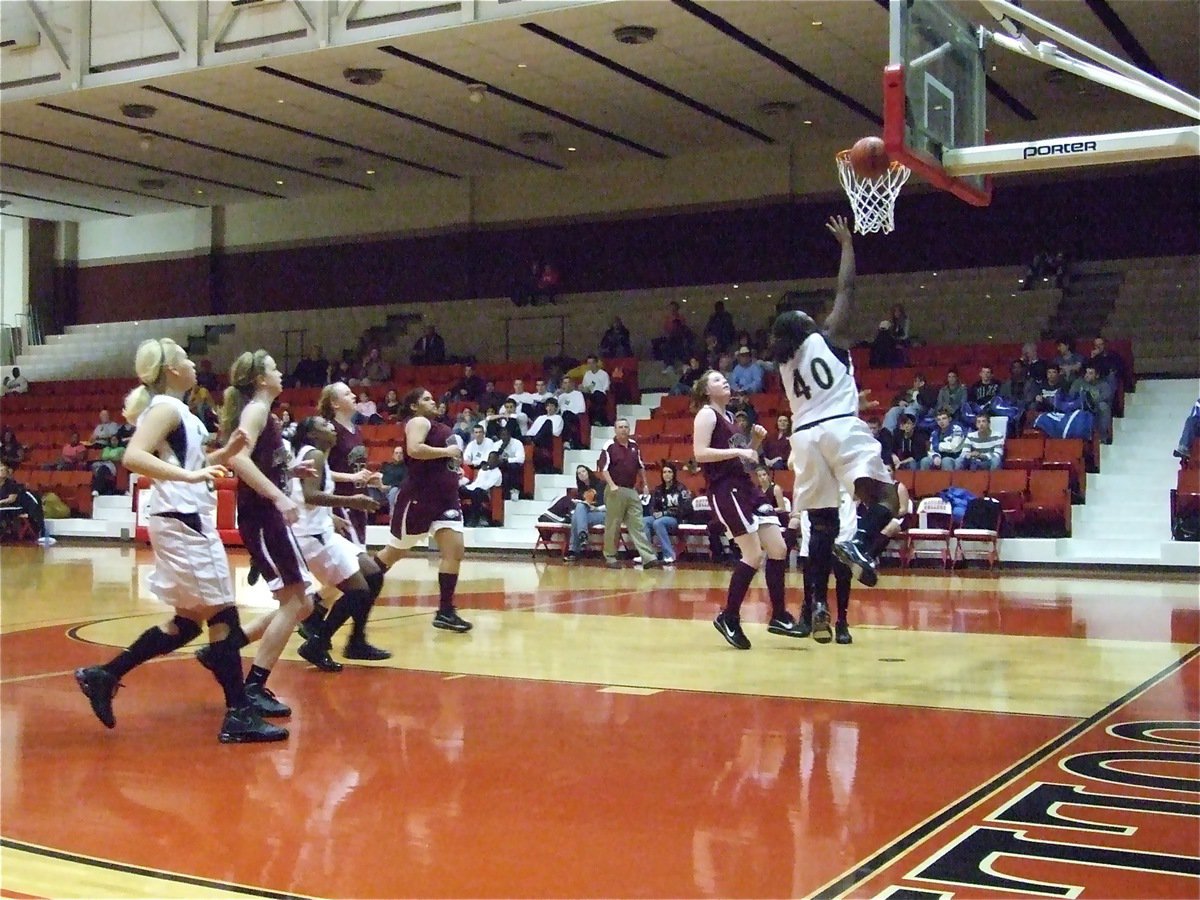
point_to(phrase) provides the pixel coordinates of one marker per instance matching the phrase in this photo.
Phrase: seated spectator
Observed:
(670, 504)
(572, 404)
(770, 492)
(104, 430)
(74, 455)
(373, 370)
(982, 450)
(910, 446)
(393, 473)
(11, 450)
(953, 395)
(15, 383)
(1034, 367)
(915, 401)
(469, 388)
(15, 500)
(595, 386)
(1109, 365)
(509, 417)
(366, 412)
(287, 425)
(589, 510)
(885, 349)
(742, 430)
(687, 377)
(983, 392)
(614, 343)
(1096, 396)
(442, 415)
(946, 444)
(740, 403)
(478, 492)
(476, 451)
(511, 453)
(312, 370)
(206, 377)
(1020, 388)
(391, 406)
(1049, 396)
(200, 402)
(710, 356)
(748, 375)
(674, 345)
(429, 350)
(720, 327)
(538, 396)
(547, 426)
(886, 441)
(1070, 363)
(774, 451)
(1191, 431)
(491, 400)
(464, 425)
(344, 371)
(900, 326)
(104, 470)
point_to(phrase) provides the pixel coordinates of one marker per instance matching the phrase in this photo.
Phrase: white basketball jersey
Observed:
(819, 382)
(183, 447)
(313, 520)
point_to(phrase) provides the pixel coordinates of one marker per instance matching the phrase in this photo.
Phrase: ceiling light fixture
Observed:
(775, 108)
(635, 34)
(278, 181)
(329, 162)
(476, 92)
(152, 184)
(363, 77)
(145, 140)
(138, 110)
(370, 171)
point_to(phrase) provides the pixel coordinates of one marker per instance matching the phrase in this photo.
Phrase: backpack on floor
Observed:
(53, 507)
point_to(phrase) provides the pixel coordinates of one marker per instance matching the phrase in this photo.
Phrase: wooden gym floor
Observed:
(1020, 735)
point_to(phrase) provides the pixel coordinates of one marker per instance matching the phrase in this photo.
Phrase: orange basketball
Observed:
(868, 158)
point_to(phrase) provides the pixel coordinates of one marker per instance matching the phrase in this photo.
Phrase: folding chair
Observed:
(935, 519)
(979, 532)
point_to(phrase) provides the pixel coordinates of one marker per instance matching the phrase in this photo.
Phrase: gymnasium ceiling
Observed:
(561, 93)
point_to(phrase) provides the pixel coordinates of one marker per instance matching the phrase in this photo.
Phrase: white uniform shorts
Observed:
(331, 557)
(837, 452)
(191, 570)
(847, 524)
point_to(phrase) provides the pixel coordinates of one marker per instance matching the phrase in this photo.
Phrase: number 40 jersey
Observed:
(819, 382)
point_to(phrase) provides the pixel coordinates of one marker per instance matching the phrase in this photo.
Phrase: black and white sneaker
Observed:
(787, 626)
(731, 630)
(822, 630)
(265, 703)
(316, 651)
(451, 621)
(858, 561)
(245, 726)
(361, 649)
(841, 633)
(99, 687)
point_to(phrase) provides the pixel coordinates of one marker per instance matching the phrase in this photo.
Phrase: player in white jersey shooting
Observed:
(831, 445)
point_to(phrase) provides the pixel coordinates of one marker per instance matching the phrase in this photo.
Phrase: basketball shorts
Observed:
(331, 558)
(414, 521)
(830, 457)
(273, 550)
(737, 507)
(191, 570)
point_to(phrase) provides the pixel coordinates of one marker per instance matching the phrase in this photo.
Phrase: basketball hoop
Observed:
(873, 200)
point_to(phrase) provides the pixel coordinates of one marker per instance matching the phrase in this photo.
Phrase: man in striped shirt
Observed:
(983, 449)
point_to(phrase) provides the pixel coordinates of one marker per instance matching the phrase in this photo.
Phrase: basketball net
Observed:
(873, 200)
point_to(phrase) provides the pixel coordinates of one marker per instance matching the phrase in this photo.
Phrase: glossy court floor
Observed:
(1030, 734)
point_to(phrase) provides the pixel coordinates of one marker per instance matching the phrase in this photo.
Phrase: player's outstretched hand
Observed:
(840, 229)
(864, 400)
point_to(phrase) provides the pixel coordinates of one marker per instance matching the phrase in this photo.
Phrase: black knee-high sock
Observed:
(226, 667)
(314, 619)
(820, 562)
(151, 643)
(873, 520)
(383, 567)
(257, 675)
(447, 582)
(345, 607)
(842, 580)
(806, 569)
(739, 583)
(776, 570)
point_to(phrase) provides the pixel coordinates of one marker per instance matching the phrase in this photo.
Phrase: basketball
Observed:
(868, 158)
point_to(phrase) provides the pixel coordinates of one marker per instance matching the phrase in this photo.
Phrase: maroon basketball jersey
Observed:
(436, 479)
(271, 458)
(348, 454)
(727, 472)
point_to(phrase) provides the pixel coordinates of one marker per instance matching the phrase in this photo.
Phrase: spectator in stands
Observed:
(200, 402)
(946, 443)
(1019, 388)
(687, 376)
(740, 403)
(391, 406)
(886, 441)
(441, 413)
(74, 455)
(15, 383)
(287, 425)
(589, 510)
(1109, 365)
(772, 493)
(464, 425)
(710, 355)
(982, 450)
(429, 350)
(343, 371)
(104, 430)
(206, 377)
(511, 453)
(984, 391)
(393, 472)
(614, 343)
(542, 432)
(774, 451)
(953, 395)
(915, 401)
(1187, 437)
(900, 328)
(11, 450)
(743, 430)
(1034, 367)
(910, 446)
(491, 400)
(312, 370)
(15, 500)
(1096, 396)
(572, 405)
(885, 349)
(373, 369)
(1049, 395)
(720, 326)
(479, 491)
(675, 343)
(1070, 363)
(476, 450)
(670, 503)
(469, 388)
(596, 385)
(509, 417)
(104, 470)
(748, 375)
(366, 411)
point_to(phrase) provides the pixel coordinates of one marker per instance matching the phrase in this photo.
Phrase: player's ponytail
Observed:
(151, 362)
